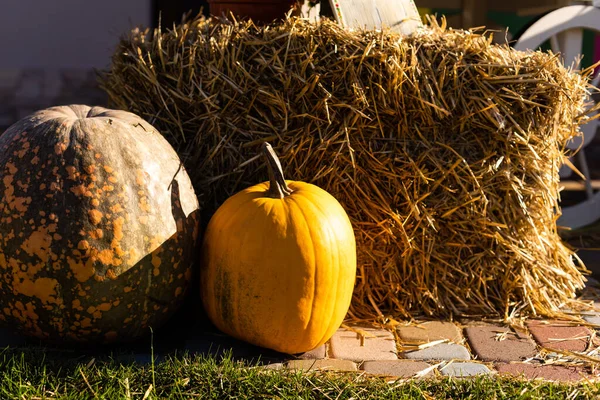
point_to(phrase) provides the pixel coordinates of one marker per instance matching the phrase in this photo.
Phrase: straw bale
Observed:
(443, 148)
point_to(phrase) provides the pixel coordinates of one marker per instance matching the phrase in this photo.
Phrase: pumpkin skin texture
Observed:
(98, 223)
(278, 271)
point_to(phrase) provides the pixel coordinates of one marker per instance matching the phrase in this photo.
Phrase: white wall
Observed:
(65, 33)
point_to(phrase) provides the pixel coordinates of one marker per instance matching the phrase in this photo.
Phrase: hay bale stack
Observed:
(443, 148)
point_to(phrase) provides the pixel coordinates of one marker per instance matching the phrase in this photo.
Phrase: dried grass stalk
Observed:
(443, 148)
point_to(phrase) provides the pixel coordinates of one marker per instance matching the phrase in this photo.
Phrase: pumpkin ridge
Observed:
(332, 240)
(241, 274)
(313, 271)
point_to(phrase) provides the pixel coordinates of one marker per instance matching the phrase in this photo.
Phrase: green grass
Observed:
(39, 374)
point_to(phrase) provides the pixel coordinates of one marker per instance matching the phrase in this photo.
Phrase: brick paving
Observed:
(541, 349)
(499, 343)
(547, 372)
(397, 368)
(444, 348)
(442, 351)
(464, 369)
(429, 331)
(558, 335)
(374, 344)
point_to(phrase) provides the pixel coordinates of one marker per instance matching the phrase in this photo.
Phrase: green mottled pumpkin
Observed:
(98, 225)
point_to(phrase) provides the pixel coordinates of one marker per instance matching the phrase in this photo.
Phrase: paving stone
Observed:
(559, 336)
(346, 345)
(429, 331)
(498, 343)
(464, 369)
(592, 318)
(442, 351)
(274, 366)
(322, 365)
(315, 354)
(396, 368)
(548, 372)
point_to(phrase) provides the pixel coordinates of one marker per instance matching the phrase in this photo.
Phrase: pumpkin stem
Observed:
(278, 189)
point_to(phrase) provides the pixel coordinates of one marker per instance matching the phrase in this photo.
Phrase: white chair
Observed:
(564, 29)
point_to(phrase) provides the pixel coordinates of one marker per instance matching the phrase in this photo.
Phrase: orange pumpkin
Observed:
(279, 264)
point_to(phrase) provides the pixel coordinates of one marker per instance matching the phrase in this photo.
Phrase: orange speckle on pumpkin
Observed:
(98, 155)
(112, 179)
(43, 186)
(139, 177)
(76, 304)
(19, 203)
(97, 314)
(38, 244)
(106, 257)
(178, 291)
(104, 307)
(110, 274)
(72, 171)
(127, 289)
(95, 202)
(12, 169)
(95, 216)
(83, 245)
(79, 190)
(108, 188)
(111, 336)
(60, 148)
(118, 250)
(35, 160)
(143, 219)
(81, 271)
(42, 288)
(108, 169)
(118, 228)
(96, 234)
(86, 323)
(9, 190)
(127, 320)
(56, 236)
(23, 186)
(116, 208)
(133, 256)
(116, 303)
(90, 309)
